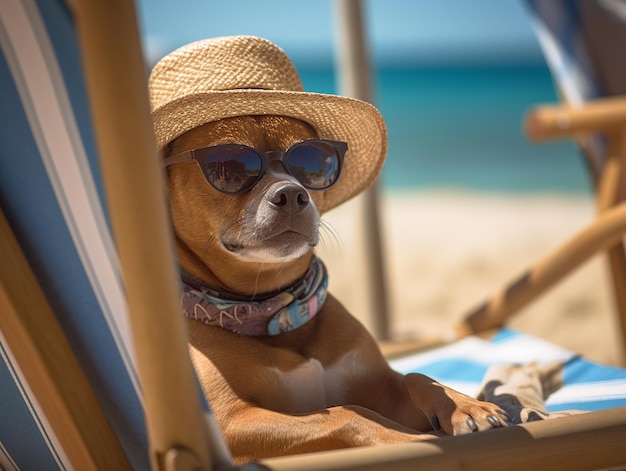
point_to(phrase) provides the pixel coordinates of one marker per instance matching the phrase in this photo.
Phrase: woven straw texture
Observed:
(243, 75)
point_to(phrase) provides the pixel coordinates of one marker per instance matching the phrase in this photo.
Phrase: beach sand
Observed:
(445, 252)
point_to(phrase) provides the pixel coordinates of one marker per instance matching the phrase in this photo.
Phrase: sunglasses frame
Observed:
(190, 155)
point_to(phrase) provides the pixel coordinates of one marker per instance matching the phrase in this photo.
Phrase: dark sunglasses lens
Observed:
(231, 168)
(314, 164)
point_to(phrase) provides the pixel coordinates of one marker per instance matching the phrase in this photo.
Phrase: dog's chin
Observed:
(284, 247)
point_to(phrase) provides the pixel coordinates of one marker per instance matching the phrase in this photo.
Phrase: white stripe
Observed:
(589, 392)
(458, 349)
(565, 72)
(518, 349)
(33, 64)
(575, 76)
(572, 82)
(6, 462)
(569, 394)
(30, 400)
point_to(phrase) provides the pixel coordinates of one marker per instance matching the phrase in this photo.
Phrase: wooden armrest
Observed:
(578, 442)
(553, 122)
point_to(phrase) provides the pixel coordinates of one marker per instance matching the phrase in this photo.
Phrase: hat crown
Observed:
(219, 64)
(231, 76)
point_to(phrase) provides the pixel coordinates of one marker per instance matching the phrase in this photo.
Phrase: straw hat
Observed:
(243, 75)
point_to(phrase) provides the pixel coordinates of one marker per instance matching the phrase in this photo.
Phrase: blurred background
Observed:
(470, 68)
(467, 203)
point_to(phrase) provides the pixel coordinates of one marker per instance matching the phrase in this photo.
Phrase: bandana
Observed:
(282, 312)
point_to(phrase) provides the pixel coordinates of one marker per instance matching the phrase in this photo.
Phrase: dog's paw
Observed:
(450, 411)
(466, 415)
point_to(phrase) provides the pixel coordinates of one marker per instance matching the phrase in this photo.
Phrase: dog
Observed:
(324, 385)
(284, 365)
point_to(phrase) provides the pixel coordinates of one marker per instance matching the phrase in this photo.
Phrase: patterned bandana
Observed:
(280, 313)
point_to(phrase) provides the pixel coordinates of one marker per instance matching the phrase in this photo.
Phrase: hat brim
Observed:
(333, 117)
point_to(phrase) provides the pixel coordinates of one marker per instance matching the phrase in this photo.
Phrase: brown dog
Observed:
(323, 385)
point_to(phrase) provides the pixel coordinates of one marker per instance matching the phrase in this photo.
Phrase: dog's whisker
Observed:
(280, 270)
(333, 235)
(256, 283)
(242, 226)
(208, 244)
(238, 223)
(332, 231)
(324, 242)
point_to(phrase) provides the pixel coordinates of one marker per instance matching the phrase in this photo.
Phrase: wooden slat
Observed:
(604, 232)
(582, 442)
(118, 95)
(610, 192)
(606, 116)
(50, 366)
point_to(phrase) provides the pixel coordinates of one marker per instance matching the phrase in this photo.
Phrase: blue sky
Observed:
(400, 30)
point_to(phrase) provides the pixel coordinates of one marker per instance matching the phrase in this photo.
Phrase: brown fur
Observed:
(323, 386)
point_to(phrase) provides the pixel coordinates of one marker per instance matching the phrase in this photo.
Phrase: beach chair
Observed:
(580, 42)
(94, 371)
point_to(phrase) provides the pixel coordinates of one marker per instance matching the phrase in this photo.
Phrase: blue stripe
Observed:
(29, 202)
(588, 406)
(455, 369)
(20, 432)
(563, 20)
(580, 371)
(504, 335)
(60, 29)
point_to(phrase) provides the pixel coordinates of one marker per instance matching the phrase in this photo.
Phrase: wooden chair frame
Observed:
(606, 116)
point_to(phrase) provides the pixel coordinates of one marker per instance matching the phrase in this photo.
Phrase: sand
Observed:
(446, 252)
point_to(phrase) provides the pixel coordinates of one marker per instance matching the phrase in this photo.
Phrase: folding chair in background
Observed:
(581, 42)
(589, 68)
(95, 372)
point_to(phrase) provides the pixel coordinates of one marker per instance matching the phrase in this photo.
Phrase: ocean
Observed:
(459, 127)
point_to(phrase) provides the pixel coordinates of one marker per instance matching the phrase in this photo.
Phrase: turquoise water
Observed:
(460, 127)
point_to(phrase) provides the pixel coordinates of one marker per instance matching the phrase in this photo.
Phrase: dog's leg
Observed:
(449, 410)
(254, 433)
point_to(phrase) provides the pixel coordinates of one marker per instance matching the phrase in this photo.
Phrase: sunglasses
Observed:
(235, 168)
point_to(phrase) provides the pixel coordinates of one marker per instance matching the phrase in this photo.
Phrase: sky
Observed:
(398, 30)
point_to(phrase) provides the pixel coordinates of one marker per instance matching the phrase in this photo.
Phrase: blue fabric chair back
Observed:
(51, 194)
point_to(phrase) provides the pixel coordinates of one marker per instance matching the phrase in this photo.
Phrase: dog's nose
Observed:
(288, 197)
